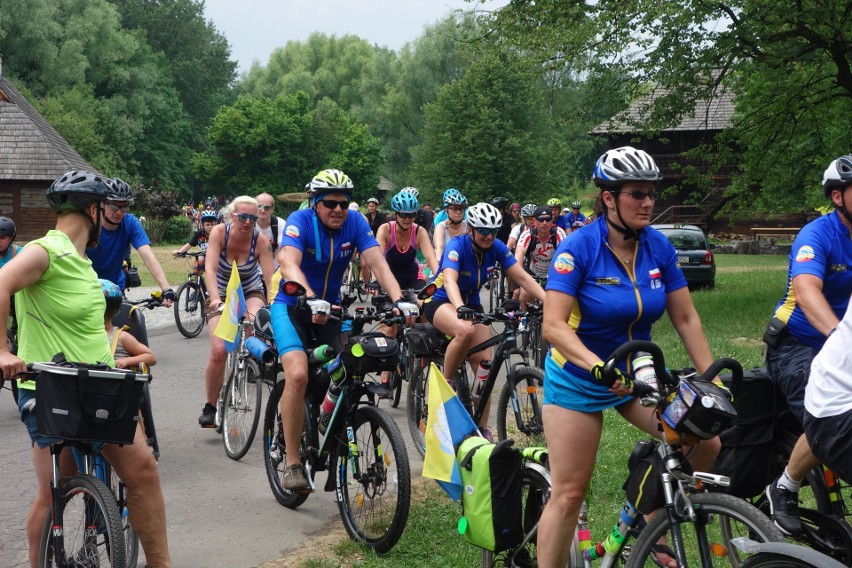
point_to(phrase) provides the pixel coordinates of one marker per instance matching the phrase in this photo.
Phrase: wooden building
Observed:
(32, 155)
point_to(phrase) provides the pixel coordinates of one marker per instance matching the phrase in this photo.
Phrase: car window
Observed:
(686, 240)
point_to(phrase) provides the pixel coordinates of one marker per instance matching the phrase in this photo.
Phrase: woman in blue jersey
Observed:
(465, 267)
(239, 241)
(607, 284)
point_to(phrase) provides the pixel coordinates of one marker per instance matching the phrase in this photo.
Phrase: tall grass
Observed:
(734, 315)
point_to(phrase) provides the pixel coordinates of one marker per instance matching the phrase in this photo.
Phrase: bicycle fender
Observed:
(816, 559)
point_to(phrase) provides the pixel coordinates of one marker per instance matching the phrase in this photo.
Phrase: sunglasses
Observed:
(456, 208)
(266, 207)
(406, 215)
(641, 195)
(544, 219)
(243, 217)
(332, 203)
(486, 232)
(114, 208)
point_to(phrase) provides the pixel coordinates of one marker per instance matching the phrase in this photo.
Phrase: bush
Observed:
(175, 230)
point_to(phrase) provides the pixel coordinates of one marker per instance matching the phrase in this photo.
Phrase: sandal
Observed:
(662, 549)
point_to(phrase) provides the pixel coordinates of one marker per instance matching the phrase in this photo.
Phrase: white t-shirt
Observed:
(268, 232)
(829, 390)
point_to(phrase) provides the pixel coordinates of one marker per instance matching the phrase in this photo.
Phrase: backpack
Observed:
(491, 495)
(534, 240)
(274, 226)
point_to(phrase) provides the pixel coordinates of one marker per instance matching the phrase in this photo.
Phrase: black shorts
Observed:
(789, 365)
(430, 307)
(829, 438)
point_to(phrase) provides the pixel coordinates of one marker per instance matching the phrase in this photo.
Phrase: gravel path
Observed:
(159, 320)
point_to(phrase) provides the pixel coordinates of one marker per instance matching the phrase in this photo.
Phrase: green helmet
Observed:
(330, 181)
(554, 202)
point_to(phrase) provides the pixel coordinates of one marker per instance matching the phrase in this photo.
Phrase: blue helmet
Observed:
(454, 197)
(112, 293)
(209, 216)
(404, 202)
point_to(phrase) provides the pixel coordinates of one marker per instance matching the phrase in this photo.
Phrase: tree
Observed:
(489, 133)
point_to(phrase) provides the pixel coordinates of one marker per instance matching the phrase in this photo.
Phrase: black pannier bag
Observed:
(423, 338)
(370, 353)
(747, 446)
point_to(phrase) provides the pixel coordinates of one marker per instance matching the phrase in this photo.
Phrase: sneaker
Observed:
(294, 478)
(784, 508)
(208, 416)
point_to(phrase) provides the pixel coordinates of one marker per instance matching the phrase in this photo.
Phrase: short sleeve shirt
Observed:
(325, 253)
(823, 249)
(540, 253)
(614, 302)
(198, 239)
(108, 254)
(473, 270)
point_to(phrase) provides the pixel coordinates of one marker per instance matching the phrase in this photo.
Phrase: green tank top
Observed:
(63, 311)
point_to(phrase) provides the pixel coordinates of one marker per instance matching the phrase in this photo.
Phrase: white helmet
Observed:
(621, 165)
(353, 206)
(838, 175)
(412, 190)
(484, 216)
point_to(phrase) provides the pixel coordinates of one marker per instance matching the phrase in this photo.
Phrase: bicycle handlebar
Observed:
(151, 302)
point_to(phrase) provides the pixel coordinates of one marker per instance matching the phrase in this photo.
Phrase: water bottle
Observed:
(336, 372)
(614, 540)
(644, 372)
(481, 376)
(321, 354)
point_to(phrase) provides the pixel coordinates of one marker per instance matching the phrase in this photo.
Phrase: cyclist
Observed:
(467, 265)
(318, 246)
(238, 241)
(527, 212)
(199, 239)
(536, 247)
(515, 209)
(272, 227)
(8, 232)
(59, 291)
(442, 214)
(501, 204)
(455, 224)
(555, 205)
(575, 216)
(607, 284)
(817, 295)
(120, 230)
(375, 218)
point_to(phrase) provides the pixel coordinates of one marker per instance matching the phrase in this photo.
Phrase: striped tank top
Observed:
(249, 272)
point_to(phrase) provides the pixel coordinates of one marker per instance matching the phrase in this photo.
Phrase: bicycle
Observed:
(532, 337)
(497, 290)
(190, 300)
(353, 284)
(659, 478)
(362, 448)
(240, 399)
(519, 404)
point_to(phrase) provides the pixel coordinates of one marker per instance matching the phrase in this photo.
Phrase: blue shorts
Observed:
(28, 417)
(566, 391)
(294, 330)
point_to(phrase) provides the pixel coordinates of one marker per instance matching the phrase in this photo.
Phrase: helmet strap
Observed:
(95, 229)
(842, 209)
(623, 228)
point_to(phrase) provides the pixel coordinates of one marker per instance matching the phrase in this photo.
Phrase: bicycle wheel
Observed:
(719, 519)
(241, 411)
(374, 484)
(189, 309)
(360, 286)
(119, 492)
(92, 529)
(417, 401)
(537, 343)
(275, 452)
(524, 423)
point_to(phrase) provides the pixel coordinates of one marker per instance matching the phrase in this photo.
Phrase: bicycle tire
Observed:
(274, 451)
(86, 501)
(537, 344)
(148, 422)
(242, 409)
(119, 492)
(189, 309)
(417, 407)
(374, 507)
(529, 429)
(722, 518)
(360, 286)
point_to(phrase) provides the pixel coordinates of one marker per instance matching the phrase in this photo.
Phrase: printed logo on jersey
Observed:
(608, 281)
(838, 268)
(805, 254)
(346, 246)
(292, 231)
(453, 255)
(656, 278)
(564, 263)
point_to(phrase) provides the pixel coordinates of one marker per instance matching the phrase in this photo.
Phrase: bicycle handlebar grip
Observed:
(726, 363)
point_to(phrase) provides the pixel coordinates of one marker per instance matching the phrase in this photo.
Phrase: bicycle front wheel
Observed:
(373, 479)
(275, 451)
(519, 409)
(189, 309)
(92, 529)
(708, 540)
(241, 411)
(417, 402)
(119, 492)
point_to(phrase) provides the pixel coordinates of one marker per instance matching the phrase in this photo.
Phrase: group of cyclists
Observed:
(602, 280)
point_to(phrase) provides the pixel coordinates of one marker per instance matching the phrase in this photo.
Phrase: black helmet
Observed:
(77, 188)
(500, 202)
(118, 190)
(7, 228)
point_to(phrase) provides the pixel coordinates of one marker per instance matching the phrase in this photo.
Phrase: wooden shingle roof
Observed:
(30, 148)
(715, 114)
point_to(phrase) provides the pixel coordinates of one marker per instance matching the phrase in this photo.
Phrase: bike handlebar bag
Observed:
(87, 403)
(370, 353)
(699, 407)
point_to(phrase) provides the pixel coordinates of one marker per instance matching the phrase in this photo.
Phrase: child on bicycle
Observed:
(199, 239)
(129, 352)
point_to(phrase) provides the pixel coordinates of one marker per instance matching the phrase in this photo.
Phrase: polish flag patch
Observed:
(655, 273)
(346, 246)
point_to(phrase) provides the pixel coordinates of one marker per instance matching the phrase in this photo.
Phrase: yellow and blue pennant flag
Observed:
(233, 309)
(447, 424)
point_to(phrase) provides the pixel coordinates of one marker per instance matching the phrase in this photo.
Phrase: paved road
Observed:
(220, 512)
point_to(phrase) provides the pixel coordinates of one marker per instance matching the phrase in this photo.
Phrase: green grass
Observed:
(176, 269)
(734, 315)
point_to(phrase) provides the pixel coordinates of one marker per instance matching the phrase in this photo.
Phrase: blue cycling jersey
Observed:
(325, 253)
(114, 245)
(822, 249)
(562, 222)
(614, 302)
(473, 268)
(570, 218)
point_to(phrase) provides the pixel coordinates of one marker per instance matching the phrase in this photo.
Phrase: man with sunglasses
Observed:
(536, 247)
(318, 245)
(465, 267)
(121, 230)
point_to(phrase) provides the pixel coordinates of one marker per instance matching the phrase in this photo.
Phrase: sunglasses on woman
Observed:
(485, 232)
(332, 203)
(243, 217)
(406, 215)
(641, 195)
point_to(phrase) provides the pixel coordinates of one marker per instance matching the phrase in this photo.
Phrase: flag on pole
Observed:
(447, 424)
(233, 308)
